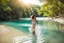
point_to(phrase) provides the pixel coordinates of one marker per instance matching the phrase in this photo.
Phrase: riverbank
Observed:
(59, 20)
(7, 33)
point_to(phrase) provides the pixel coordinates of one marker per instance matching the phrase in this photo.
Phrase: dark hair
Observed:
(33, 16)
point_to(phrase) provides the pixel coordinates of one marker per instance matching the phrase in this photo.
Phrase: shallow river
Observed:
(46, 32)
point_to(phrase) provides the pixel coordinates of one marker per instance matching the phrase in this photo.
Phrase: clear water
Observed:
(47, 31)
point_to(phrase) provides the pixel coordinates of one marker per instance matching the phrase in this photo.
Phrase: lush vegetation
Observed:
(14, 9)
(52, 8)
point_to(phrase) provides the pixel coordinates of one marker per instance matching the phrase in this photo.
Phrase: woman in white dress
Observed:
(33, 27)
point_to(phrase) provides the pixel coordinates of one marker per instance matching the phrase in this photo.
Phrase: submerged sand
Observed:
(7, 33)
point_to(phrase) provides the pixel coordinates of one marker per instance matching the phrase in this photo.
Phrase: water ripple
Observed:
(38, 38)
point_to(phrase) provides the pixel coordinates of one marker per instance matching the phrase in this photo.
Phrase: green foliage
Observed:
(7, 8)
(22, 9)
(4, 2)
(14, 9)
(52, 8)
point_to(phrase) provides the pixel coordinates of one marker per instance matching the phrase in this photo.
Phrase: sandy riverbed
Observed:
(7, 33)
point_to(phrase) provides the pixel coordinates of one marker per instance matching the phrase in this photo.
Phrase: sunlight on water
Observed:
(38, 18)
(38, 38)
(22, 39)
(46, 31)
(25, 24)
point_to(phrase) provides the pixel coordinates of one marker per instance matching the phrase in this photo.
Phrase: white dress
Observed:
(32, 28)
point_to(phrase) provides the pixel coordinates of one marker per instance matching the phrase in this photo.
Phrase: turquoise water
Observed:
(47, 31)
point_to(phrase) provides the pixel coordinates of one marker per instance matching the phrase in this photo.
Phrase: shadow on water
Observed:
(34, 38)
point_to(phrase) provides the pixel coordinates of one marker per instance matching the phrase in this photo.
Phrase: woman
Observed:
(32, 29)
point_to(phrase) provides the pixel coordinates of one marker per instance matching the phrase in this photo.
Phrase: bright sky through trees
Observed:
(36, 2)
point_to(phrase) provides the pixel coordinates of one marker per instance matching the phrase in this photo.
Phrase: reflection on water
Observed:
(53, 32)
(46, 32)
(22, 39)
(37, 38)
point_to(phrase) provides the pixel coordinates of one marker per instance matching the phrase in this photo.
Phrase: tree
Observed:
(4, 10)
(14, 9)
(52, 8)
